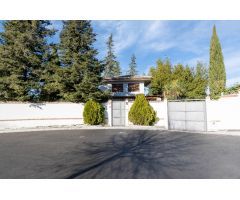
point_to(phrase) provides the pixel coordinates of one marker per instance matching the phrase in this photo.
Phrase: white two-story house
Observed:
(128, 86)
(123, 91)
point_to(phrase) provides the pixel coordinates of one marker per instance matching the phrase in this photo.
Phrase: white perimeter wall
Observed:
(29, 115)
(19, 115)
(223, 114)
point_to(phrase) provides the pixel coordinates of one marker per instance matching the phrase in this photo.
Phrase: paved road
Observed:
(118, 154)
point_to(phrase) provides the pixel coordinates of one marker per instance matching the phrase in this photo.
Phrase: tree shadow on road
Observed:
(133, 155)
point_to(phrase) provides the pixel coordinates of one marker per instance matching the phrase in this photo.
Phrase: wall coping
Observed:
(19, 102)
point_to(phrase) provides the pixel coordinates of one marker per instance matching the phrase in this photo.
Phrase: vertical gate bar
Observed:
(205, 115)
(169, 122)
(185, 118)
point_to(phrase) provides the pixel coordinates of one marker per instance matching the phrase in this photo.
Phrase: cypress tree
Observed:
(82, 70)
(22, 50)
(133, 66)
(217, 74)
(111, 65)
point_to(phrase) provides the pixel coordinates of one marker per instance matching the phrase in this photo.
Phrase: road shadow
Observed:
(133, 155)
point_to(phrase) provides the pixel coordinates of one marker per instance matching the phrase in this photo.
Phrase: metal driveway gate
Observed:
(118, 113)
(187, 115)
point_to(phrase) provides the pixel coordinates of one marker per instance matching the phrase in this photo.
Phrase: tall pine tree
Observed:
(217, 74)
(132, 71)
(51, 76)
(22, 54)
(111, 65)
(82, 70)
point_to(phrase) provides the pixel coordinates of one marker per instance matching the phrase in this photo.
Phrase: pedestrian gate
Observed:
(187, 115)
(118, 113)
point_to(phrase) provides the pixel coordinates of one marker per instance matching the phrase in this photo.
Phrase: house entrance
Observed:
(118, 113)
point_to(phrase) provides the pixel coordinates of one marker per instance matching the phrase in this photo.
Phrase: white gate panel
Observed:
(177, 125)
(195, 116)
(195, 126)
(195, 106)
(118, 113)
(176, 106)
(187, 115)
(177, 115)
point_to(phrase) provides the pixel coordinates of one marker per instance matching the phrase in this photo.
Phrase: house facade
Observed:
(123, 91)
(128, 86)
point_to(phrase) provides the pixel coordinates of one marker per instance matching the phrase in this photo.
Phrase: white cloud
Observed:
(154, 30)
(189, 41)
(125, 35)
(160, 46)
(142, 34)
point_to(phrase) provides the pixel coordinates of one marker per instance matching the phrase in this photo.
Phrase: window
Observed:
(117, 87)
(133, 87)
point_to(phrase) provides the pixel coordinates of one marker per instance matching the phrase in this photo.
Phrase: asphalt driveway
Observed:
(115, 153)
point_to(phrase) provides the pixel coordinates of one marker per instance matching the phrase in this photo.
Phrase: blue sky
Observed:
(183, 42)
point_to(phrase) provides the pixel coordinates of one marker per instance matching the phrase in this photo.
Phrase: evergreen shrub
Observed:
(141, 112)
(93, 113)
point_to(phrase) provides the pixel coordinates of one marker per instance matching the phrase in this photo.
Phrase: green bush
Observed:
(93, 113)
(233, 89)
(141, 113)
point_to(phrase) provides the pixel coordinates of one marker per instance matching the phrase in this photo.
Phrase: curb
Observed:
(36, 129)
(78, 128)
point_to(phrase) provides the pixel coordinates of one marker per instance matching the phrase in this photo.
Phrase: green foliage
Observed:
(178, 82)
(93, 113)
(111, 65)
(51, 77)
(184, 76)
(233, 89)
(173, 90)
(161, 76)
(22, 54)
(151, 71)
(199, 83)
(217, 74)
(132, 66)
(116, 69)
(81, 68)
(141, 112)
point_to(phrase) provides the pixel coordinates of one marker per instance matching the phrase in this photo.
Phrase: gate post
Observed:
(207, 102)
(165, 101)
(109, 112)
(126, 112)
